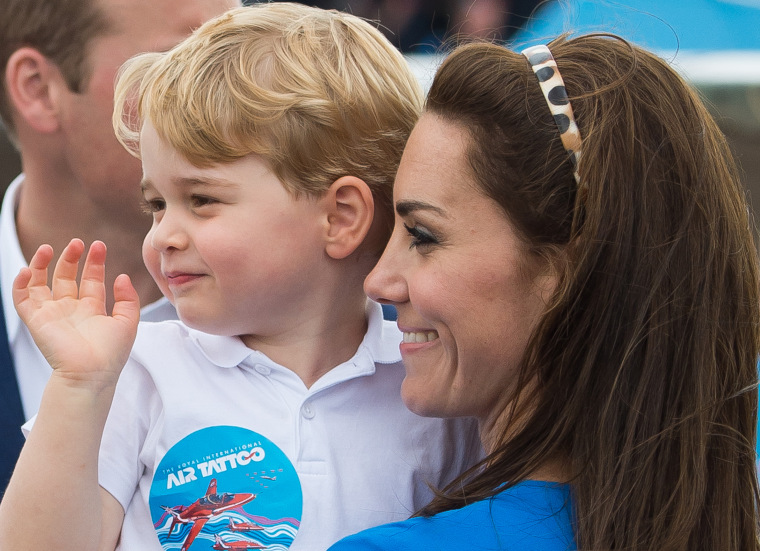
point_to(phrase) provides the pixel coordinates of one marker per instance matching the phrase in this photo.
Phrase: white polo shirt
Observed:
(32, 369)
(205, 431)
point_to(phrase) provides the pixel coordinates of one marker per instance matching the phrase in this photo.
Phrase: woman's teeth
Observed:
(422, 336)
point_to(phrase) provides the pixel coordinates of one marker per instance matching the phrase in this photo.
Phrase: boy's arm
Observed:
(53, 500)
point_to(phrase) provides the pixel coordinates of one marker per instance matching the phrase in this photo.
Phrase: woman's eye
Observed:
(151, 206)
(420, 236)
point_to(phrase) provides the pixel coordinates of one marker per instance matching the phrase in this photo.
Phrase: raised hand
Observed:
(69, 322)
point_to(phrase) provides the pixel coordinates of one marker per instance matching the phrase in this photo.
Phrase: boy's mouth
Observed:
(178, 278)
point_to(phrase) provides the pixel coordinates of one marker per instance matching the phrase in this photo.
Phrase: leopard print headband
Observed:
(553, 87)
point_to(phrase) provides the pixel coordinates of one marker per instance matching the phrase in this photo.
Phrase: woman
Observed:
(589, 293)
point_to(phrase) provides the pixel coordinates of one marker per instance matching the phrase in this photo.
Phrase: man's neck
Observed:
(42, 217)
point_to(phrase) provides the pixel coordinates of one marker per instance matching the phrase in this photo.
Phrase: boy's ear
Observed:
(350, 211)
(33, 83)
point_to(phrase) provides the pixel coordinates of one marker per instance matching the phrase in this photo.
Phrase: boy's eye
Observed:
(151, 206)
(420, 236)
(202, 200)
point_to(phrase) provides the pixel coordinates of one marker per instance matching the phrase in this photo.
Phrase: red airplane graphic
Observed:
(243, 526)
(219, 543)
(199, 512)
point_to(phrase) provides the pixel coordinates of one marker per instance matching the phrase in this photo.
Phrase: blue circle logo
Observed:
(225, 488)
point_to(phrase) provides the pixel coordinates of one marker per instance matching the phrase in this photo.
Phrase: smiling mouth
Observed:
(179, 278)
(421, 336)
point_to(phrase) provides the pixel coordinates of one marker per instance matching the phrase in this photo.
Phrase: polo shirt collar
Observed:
(220, 350)
(383, 338)
(378, 345)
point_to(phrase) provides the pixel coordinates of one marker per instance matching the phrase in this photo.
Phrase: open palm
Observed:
(68, 320)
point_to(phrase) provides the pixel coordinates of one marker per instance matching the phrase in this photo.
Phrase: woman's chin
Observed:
(418, 401)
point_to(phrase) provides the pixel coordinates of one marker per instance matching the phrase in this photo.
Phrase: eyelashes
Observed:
(421, 237)
(198, 201)
(151, 206)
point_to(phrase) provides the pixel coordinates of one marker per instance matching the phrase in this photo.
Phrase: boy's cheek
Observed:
(152, 260)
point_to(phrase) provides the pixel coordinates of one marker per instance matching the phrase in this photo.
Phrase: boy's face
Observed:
(230, 247)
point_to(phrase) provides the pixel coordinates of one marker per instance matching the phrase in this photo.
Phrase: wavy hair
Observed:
(642, 374)
(318, 94)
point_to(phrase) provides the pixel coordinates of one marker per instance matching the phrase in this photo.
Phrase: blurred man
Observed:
(59, 59)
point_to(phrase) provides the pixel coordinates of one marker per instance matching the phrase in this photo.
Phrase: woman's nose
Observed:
(386, 283)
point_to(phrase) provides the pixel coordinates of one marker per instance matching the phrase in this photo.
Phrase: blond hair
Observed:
(318, 94)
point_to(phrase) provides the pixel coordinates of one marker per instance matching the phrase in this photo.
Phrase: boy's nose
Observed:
(168, 233)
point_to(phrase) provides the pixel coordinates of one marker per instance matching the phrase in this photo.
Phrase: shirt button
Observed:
(307, 411)
(263, 369)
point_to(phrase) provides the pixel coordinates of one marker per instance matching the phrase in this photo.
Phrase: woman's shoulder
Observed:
(531, 516)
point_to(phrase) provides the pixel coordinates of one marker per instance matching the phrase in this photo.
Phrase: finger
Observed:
(20, 291)
(126, 301)
(94, 274)
(39, 266)
(65, 274)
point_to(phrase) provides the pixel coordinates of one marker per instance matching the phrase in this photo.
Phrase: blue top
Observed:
(531, 516)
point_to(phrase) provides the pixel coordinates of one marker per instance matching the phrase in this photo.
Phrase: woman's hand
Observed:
(69, 322)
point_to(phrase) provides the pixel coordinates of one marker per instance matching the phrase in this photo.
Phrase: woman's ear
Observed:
(549, 272)
(350, 210)
(32, 82)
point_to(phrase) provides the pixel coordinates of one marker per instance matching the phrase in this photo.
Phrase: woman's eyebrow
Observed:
(404, 208)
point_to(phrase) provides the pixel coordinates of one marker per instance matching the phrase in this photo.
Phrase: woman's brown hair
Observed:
(641, 377)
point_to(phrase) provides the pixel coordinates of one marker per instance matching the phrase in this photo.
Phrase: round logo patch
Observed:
(225, 488)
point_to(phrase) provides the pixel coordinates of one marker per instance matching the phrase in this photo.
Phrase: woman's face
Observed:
(467, 293)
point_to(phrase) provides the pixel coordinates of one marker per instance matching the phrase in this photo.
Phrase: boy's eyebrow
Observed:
(405, 208)
(146, 183)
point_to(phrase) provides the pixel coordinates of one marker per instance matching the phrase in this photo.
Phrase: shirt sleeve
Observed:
(119, 464)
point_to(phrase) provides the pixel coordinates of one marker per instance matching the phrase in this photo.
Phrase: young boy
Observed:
(270, 418)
